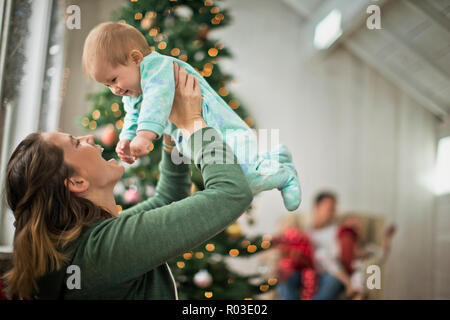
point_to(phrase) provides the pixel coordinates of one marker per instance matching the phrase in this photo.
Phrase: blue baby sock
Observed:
(276, 170)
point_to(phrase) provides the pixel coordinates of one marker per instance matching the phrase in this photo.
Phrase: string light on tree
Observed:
(96, 114)
(234, 104)
(153, 32)
(213, 52)
(264, 287)
(265, 244)
(85, 122)
(175, 52)
(187, 256)
(223, 91)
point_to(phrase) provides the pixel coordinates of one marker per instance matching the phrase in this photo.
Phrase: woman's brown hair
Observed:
(48, 216)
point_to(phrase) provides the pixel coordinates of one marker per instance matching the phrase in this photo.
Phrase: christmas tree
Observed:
(181, 28)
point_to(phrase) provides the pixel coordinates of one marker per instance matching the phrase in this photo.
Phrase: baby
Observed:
(118, 56)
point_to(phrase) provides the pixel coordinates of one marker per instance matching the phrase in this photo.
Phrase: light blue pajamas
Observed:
(150, 111)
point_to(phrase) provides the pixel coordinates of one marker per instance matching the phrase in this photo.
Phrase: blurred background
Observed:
(359, 91)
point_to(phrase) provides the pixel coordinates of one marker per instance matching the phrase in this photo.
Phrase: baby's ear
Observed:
(136, 56)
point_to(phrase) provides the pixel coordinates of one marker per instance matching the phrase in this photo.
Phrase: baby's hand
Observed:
(140, 145)
(123, 151)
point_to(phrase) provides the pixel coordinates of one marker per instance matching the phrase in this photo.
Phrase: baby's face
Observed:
(122, 80)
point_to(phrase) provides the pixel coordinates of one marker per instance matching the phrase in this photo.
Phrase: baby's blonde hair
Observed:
(112, 42)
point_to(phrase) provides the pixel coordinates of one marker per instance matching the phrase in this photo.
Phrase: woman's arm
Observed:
(131, 245)
(174, 184)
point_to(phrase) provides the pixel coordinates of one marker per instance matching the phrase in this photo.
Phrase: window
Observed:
(31, 68)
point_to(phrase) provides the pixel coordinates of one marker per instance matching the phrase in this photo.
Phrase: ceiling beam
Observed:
(395, 75)
(353, 15)
(433, 13)
(405, 45)
(304, 7)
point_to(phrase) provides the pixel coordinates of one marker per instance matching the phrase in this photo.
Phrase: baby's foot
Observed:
(291, 191)
(270, 174)
(280, 154)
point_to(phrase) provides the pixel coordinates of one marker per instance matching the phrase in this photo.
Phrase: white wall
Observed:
(349, 130)
(442, 248)
(441, 261)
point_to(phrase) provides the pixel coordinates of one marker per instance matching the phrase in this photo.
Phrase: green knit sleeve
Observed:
(128, 246)
(173, 185)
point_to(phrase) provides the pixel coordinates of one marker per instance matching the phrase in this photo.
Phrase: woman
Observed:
(61, 192)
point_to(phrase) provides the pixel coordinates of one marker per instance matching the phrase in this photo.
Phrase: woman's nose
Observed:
(89, 139)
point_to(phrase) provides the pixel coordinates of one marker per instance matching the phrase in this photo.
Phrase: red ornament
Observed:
(132, 196)
(109, 136)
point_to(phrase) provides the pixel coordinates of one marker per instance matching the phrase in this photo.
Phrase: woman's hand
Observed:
(168, 143)
(186, 111)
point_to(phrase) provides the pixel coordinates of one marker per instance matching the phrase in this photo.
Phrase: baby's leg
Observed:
(276, 170)
(279, 154)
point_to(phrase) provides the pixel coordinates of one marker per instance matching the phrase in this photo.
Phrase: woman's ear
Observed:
(136, 56)
(76, 184)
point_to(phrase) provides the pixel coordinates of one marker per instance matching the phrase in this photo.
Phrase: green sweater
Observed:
(125, 257)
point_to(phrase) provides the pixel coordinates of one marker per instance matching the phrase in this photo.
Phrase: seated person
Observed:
(334, 266)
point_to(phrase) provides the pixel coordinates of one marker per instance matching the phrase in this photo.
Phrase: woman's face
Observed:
(86, 157)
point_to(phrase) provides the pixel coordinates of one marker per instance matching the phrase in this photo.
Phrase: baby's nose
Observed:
(115, 90)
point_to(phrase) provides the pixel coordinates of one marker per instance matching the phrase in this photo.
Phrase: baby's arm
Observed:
(158, 87)
(128, 131)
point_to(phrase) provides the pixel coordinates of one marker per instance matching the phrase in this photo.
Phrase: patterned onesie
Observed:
(150, 111)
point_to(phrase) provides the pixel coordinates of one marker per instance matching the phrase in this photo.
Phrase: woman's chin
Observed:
(116, 166)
